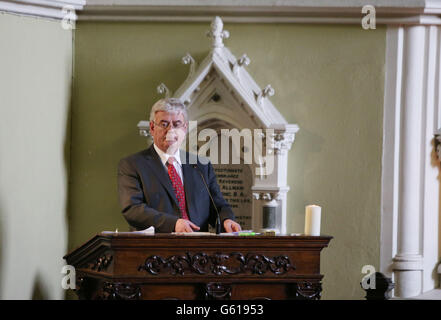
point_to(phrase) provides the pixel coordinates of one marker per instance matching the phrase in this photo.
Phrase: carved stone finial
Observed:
(268, 91)
(217, 33)
(244, 60)
(188, 59)
(162, 88)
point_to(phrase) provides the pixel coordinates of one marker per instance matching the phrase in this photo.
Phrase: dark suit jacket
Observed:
(147, 197)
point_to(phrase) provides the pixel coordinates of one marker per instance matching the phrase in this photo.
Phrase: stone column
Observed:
(407, 264)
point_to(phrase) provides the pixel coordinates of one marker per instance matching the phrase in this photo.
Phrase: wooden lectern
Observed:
(166, 266)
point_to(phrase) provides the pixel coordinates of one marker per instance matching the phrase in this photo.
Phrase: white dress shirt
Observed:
(177, 164)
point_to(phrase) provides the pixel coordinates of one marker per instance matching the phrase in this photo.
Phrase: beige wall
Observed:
(328, 79)
(35, 81)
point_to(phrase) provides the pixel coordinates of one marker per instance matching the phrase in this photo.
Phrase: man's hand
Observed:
(184, 225)
(231, 226)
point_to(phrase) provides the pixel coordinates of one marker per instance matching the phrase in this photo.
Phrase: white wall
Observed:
(35, 84)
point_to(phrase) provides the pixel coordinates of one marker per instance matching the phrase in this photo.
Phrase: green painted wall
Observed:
(35, 90)
(328, 79)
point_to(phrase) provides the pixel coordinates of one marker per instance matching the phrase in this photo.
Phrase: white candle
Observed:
(312, 220)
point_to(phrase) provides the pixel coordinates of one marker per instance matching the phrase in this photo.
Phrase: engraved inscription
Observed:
(235, 182)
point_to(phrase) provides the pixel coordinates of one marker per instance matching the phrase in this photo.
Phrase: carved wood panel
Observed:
(217, 264)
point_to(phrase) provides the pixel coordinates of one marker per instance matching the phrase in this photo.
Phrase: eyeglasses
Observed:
(174, 124)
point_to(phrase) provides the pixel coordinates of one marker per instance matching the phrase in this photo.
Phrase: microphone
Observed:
(218, 223)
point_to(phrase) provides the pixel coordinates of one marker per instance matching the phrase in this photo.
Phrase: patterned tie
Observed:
(177, 187)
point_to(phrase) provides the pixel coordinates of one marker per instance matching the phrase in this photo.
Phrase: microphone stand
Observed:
(218, 222)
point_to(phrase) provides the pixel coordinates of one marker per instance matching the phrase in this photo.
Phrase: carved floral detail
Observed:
(267, 196)
(243, 61)
(308, 290)
(281, 141)
(188, 59)
(162, 89)
(218, 264)
(120, 291)
(266, 92)
(101, 263)
(217, 291)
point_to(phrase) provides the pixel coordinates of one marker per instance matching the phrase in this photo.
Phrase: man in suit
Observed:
(160, 187)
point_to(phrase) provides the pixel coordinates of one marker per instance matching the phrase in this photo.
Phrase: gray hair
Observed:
(171, 105)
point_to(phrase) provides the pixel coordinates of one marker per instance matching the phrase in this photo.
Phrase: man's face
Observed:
(168, 139)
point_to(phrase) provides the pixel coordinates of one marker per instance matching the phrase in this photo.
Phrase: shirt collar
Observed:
(164, 156)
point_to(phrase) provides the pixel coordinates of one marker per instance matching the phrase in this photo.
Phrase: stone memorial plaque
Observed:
(235, 181)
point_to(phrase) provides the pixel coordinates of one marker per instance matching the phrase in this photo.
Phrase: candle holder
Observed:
(269, 216)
